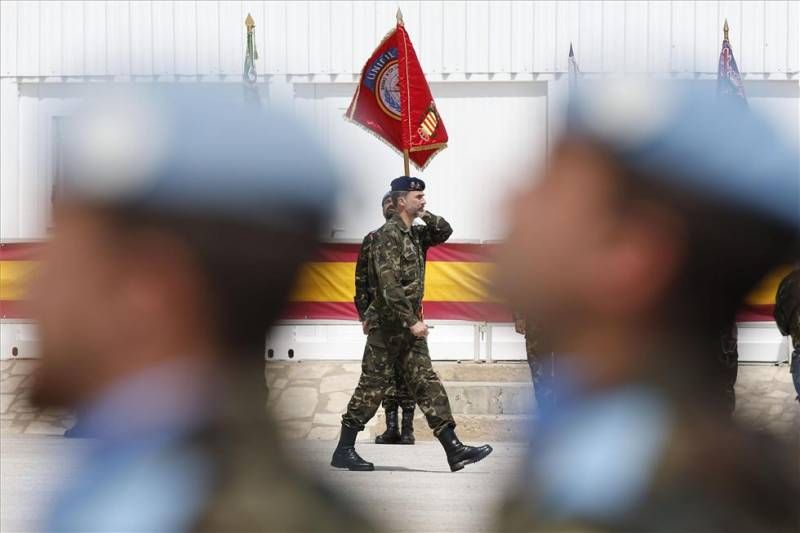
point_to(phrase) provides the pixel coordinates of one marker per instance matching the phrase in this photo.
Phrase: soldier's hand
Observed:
(365, 328)
(519, 326)
(420, 329)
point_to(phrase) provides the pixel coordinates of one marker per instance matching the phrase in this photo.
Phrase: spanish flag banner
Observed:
(393, 100)
(456, 287)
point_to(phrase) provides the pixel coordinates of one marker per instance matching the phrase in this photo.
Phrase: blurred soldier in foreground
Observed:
(655, 207)
(397, 394)
(183, 221)
(399, 333)
(540, 361)
(787, 316)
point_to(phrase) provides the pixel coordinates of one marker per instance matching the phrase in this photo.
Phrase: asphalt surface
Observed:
(412, 488)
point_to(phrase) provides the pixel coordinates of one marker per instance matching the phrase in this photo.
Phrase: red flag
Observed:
(394, 102)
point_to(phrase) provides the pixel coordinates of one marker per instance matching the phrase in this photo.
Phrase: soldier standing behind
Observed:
(541, 363)
(399, 333)
(397, 393)
(787, 316)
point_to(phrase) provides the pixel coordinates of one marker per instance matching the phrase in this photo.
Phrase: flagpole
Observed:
(406, 166)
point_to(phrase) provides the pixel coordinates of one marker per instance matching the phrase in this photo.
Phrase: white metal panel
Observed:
(760, 342)
(208, 41)
(365, 35)
(8, 38)
(185, 38)
(752, 47)
(28, 32)
(775, 36)
(29, 197)
(477, 31)
(614, 36)
(297, 18)
(341, 28)
(683, 33)
(119, 38)
(544, 31)
(708, 36)
(231, 38)
(94, 38)
(636, 28)
(500, 37)
(9, 162)
(72, 45)
(793, 38)
(319, 46)
(522, 36)
(163, 38)
(590, 36)
(430, 24)
(660, 37)
(505, 343)
(23, 337)
(454, 36)
(385, 18)
(50, 44)
(567, 26)
(273, 37)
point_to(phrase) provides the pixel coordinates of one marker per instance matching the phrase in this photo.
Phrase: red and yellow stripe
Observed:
(457, 285)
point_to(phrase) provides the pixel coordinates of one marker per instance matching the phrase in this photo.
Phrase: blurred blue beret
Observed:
(710, 147)
(407, 183)
(196, 151)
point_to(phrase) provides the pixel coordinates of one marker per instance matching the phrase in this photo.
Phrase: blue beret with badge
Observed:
(407, 183)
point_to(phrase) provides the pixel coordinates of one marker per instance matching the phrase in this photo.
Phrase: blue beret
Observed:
(713, 148)
(407, 183)
(196, 151)
(386, 197)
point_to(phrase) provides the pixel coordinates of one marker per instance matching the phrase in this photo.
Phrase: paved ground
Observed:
(490, 401)
(412, 488)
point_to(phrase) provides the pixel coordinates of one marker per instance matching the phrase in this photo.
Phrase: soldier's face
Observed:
(559, 226)
(388, 209)
(413, 203)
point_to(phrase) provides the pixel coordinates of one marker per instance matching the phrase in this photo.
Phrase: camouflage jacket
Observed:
(398, 263)
(366, 281)
(787, 306)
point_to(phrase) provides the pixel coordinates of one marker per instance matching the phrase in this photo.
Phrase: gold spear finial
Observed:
(249, 22)
(400, 17)
(725, 31)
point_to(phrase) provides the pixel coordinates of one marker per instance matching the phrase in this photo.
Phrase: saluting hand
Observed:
(420, 329)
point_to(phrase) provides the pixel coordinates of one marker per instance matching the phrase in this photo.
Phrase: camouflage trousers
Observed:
(385, 349)
(794, 332)
(542, 365)
(397, 394)
(728, 360)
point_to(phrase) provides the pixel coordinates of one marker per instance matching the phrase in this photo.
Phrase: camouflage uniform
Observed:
(398, 264)
(542, 365)
(366, 282)
(728, 360)
(787, 316)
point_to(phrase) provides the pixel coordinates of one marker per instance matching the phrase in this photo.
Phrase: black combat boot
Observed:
(460, 455)
(407, 432)
(345, 455)
(392, 433)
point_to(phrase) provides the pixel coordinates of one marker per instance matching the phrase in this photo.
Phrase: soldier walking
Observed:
(397, 394)
(399, 333)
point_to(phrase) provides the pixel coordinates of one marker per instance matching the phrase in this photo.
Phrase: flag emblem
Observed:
(429, 123)
(388, 94)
